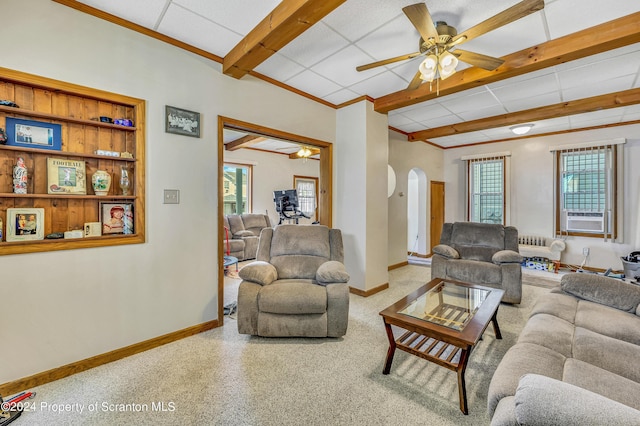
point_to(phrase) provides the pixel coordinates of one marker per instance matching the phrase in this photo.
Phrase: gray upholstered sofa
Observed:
(297, 286)
(480, 253)
(244, 231)
(577, 360)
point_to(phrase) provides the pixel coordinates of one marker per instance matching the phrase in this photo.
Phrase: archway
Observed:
(417, 213)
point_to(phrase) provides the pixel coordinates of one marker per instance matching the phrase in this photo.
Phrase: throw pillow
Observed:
(332, 272)
(259, 272)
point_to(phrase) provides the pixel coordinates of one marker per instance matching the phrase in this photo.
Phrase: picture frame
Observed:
(182, 122)
(33, 134)
(117, 218)
(25, 224)
(66, 176)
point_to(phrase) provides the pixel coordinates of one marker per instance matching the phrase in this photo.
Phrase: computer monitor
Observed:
(286, 200)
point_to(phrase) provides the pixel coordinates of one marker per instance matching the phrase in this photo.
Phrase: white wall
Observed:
(531, 191)
(272, 172)
(404, 156)
(65, 306)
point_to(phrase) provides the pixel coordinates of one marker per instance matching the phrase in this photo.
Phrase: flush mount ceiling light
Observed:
(521, 129)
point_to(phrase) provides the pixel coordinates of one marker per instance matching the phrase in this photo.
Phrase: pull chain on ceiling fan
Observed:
(439, 41)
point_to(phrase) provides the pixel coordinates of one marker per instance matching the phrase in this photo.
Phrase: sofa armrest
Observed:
(332, 272)
(244, 233)
(541, 400)
(506, 256)
(557, 246)
(446, 251)
(259, 272)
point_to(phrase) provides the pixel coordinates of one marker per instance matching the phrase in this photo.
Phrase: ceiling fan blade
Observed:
(420, 17)
(387, 61)
(478, 59)
(505, 17)
(415, 82)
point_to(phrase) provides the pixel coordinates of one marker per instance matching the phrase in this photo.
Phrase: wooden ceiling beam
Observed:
(562, 109)
(610, 35)
(286, 22)
(243, 142)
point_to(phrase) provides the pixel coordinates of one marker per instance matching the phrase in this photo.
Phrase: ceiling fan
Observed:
(439, 42)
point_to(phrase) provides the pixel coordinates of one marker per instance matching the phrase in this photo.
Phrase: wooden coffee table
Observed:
(444, 320)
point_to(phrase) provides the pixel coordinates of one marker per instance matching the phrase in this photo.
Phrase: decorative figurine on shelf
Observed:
(101, 182)
(20, 177)
(3, 136)
(125, 183)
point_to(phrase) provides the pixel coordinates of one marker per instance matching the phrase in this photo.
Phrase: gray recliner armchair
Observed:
(480, 253)
(297, 286)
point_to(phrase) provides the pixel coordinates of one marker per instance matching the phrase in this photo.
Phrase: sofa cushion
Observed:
(603, 290)
(312, 240)
(244, 233)
(607, 353)
(603, 382)
(610, 322)
(471, 271)
(294, 297)
(255, 222)
(557, 304)
(536, 331)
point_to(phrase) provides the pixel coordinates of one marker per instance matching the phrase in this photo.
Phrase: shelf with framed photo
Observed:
(63, 134)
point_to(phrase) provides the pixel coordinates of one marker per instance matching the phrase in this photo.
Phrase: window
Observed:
(307, 189)
(486, 190)
(237, 188)
(586, 190)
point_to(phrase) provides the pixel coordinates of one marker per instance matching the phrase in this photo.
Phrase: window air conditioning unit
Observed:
(585, 221)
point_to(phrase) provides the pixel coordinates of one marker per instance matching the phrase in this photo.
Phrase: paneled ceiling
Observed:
(566, 94)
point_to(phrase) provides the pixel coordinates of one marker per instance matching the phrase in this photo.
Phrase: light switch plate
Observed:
(171, 196)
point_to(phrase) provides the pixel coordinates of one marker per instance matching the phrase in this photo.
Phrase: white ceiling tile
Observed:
(398, 120)
(569, 16)
(350, 21)
(482, 112)
(521, 34)
(313, 45)
(472, 101)
(411, 127)
(551, 98)
(341, 66)
(312, 83)
(379, 85)
(395, 38)
(195, 30)
(599, 117)
(427, 111)
(466, 138)
(533, 87)
(279, 67)
(523, 78)
(141, 12)
(241, 16)
(598, 88)
(341, 96)
(600, 71)
(446, 120)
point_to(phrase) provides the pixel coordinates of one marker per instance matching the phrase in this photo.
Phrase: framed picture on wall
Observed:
(33, 134)
(25, 224)
(182, 122)
(116, 218)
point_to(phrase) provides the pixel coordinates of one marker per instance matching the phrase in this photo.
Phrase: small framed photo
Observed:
(116, 218)
(66, 176)
(25, 224)
(182, 122)
(33, 134)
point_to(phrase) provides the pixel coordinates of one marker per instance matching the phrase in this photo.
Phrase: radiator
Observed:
(532, 240)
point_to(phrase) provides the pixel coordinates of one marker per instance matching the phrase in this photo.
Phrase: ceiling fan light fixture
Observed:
(521, 129)
(447, 64)
(304, 152)
(428, 68)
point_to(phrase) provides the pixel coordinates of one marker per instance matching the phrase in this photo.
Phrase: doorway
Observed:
(437, 213)
(324, 186)
(417, 231)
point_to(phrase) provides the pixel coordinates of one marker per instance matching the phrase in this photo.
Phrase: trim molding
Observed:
(397, 265)
(57, 373)
(367, 293)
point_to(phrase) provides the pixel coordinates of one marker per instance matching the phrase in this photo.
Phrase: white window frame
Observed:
(473, 161)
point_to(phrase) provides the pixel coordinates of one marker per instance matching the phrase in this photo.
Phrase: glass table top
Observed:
(447, 304)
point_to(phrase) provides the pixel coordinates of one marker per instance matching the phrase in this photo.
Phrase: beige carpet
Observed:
(223, 378)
